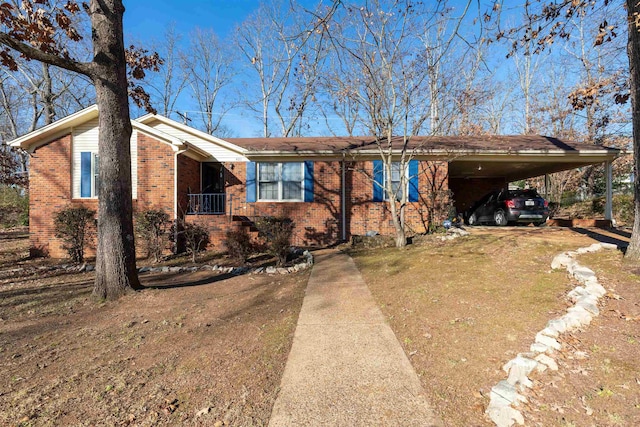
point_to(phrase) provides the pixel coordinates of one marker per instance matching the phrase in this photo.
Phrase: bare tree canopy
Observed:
(547, 22)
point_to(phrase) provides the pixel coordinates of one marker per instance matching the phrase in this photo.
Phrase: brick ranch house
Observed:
(329, 186)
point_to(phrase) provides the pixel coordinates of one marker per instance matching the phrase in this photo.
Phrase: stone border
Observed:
(236, 271)
(454, 232)
(506, 396)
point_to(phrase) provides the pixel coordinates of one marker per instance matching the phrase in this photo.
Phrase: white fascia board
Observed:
(195, 132)
(176, 143)
(550, 156)
(59, 128)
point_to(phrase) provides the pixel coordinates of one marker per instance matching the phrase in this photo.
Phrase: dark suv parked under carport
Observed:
(509, 206)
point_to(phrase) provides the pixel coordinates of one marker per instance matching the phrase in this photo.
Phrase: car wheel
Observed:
(472, 220)
(500, 218)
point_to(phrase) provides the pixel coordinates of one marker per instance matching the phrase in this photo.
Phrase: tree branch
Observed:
(33, 53)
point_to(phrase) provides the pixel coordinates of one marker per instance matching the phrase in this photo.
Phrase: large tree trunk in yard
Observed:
(116, 271)
(633, 50)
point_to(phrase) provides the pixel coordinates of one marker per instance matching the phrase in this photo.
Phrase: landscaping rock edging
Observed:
(454, 232)
(506, 396)
(236, 271)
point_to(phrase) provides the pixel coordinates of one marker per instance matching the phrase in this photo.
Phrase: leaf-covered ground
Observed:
(193, 349)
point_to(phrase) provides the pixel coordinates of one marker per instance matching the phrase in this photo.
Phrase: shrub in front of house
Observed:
(277, 233)
(151, 225)
(75, 225)
(239, 245)
(190, 237)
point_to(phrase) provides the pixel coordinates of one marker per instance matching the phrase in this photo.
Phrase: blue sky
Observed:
(145, 19)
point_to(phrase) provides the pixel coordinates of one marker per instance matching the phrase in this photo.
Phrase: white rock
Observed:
(547, 361)
(596, 290)
(577, 292)
(505, 393)
(504, 416)
(589, 306)
(561, 261)
(548, 341)
(518, 370)
(537, 347)
(609, 246)
(575, 319)
(550, 332)
(557, 325)
(583, 274)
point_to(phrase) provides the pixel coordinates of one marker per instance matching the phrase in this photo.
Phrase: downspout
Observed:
(343, 206)
(175, 198)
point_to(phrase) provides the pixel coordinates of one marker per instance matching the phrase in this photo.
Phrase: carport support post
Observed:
(546, 186)
(608, 207)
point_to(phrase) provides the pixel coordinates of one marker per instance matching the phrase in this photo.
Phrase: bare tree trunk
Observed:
(633, 51)
(116, 271)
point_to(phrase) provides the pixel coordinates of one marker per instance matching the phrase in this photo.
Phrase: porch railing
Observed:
(206, 204)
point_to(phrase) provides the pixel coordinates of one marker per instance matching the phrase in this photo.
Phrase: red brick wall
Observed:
(155, 175)
(364, 215)
(188, 182)
(50, 188)
(50, 191)
(319, 222)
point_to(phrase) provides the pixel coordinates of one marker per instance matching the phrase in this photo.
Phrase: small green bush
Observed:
(151, 226)
(238, 244)
(277, 233)
(75, 225)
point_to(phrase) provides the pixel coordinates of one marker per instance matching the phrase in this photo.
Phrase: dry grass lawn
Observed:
(463, 308)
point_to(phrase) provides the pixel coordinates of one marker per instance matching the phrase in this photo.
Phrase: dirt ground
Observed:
(204, 349)
(463, 308)
(192, 349)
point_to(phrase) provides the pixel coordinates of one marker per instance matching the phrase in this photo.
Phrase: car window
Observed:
(530, 193)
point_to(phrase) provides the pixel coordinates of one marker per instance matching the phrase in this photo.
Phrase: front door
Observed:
(213, 196)
(212, 178)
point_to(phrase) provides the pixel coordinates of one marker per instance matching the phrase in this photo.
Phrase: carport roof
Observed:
(511, 157)
(418, 144)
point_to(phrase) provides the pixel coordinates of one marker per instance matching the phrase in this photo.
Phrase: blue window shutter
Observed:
(308, 181)
(414, 195)
(85, 174)
(378, 177)
(251, 182)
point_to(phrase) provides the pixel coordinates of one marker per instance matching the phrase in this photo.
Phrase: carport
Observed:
(491, 164)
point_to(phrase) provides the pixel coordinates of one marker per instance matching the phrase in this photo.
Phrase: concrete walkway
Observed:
(346, 367)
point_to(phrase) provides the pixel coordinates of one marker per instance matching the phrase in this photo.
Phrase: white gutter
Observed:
(175, 194)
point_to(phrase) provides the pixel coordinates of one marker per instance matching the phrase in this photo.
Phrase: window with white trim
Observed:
(95, 174)
(280, 181)
(396, 172)
(89, 175)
